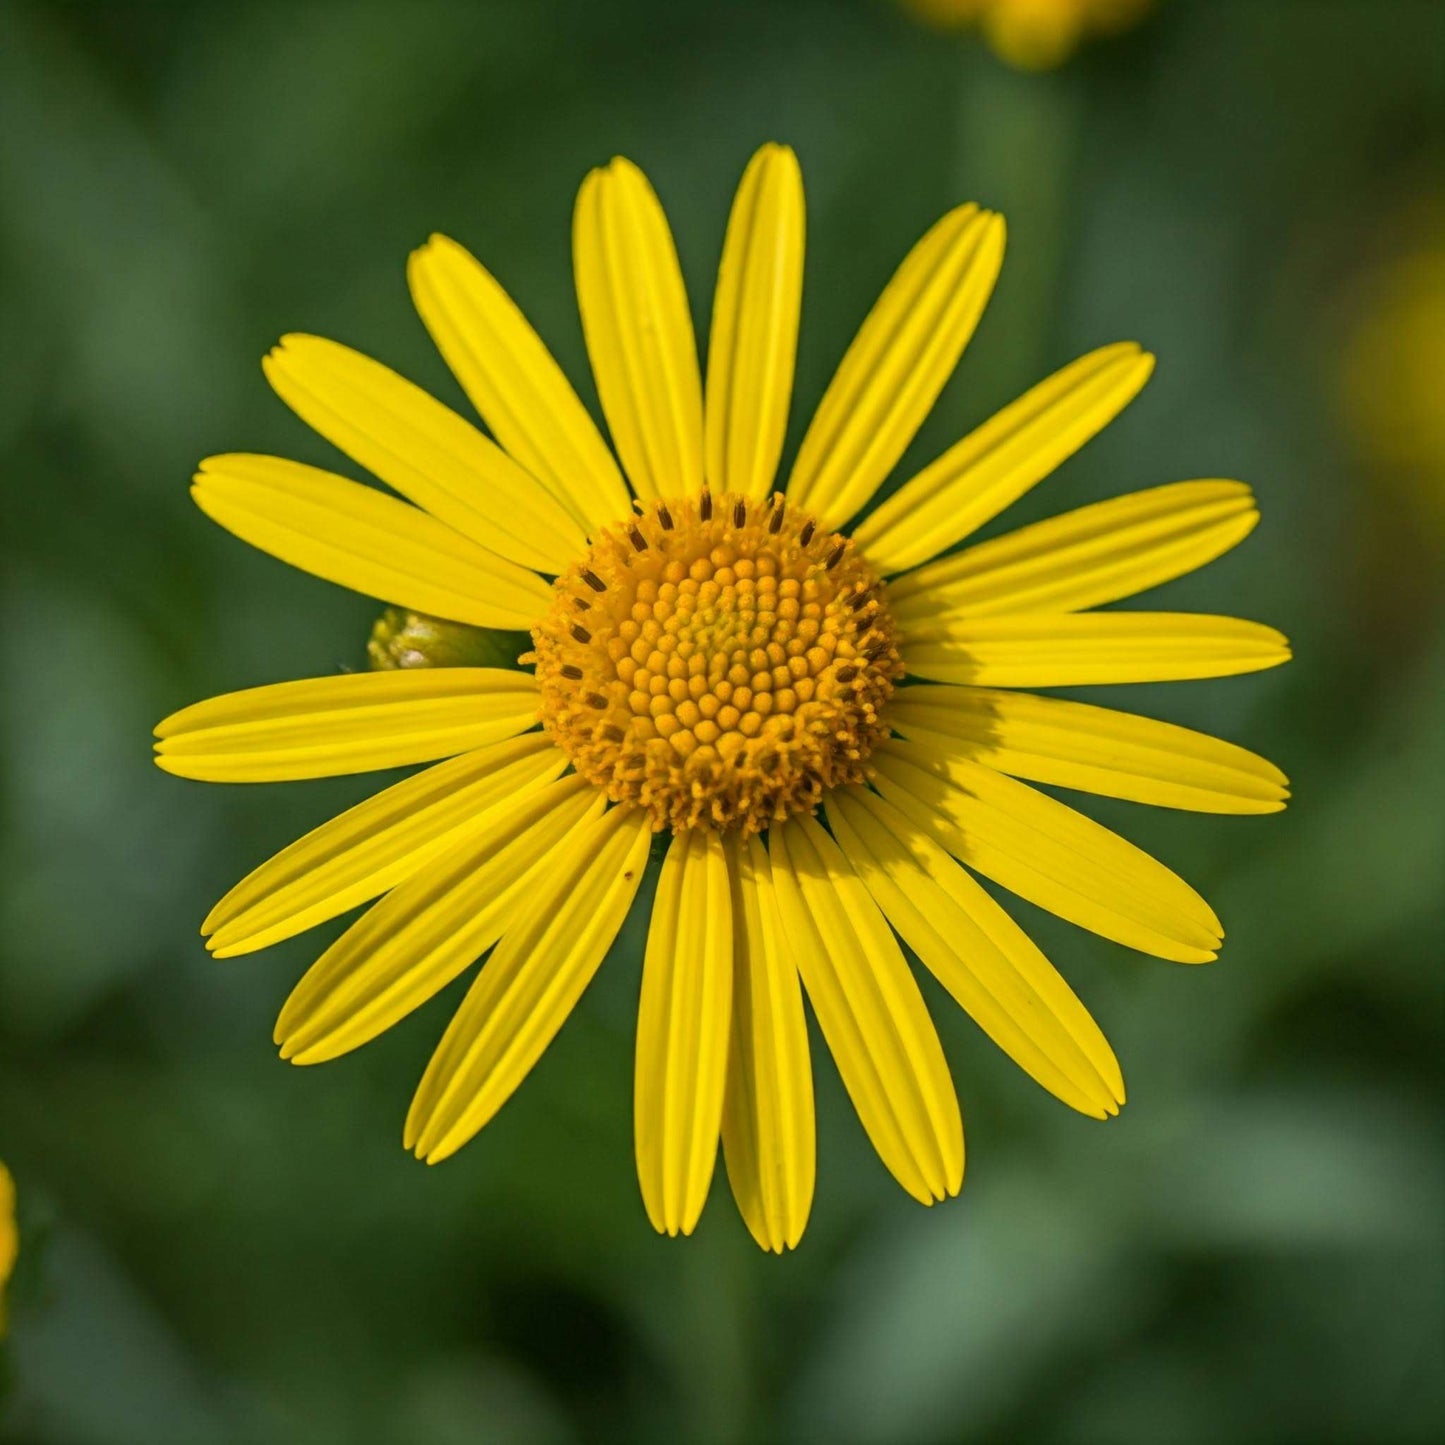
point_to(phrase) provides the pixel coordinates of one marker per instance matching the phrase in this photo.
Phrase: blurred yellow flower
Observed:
(1394, 378)
(722, 663)
(1033, 34)
(9, 1237)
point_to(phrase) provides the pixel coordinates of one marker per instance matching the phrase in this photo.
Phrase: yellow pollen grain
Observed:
(718, 661)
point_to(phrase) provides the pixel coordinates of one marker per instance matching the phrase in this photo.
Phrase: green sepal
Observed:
(412, 639)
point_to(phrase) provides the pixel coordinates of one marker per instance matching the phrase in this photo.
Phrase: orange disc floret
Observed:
(719, 661)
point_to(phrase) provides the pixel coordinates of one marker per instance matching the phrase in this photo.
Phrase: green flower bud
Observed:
(412, 639)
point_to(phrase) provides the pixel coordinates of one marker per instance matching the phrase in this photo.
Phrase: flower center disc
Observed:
(719, 661)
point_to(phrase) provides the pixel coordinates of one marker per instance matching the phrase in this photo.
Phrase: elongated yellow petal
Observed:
(902, 355)
(359, 537)
(530, 984)
(996, 464)
(639, 330)
(769, 1138)
(425, 450)
(377, 844)
(1096, 749)
(9, 1238)
(1063, 649)
(1046, 852)
(755, 326)
(870, 1010)
(1083, 558)
(514, 383)
(353, 723)
(427, 931)
(977, 952)
(682, 1031)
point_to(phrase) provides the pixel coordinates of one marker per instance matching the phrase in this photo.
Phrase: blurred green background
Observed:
(220, 1248)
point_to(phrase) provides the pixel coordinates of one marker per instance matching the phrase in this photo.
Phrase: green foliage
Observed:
(229, 1249)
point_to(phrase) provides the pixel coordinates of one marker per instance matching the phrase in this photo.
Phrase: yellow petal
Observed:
(9, 1237)
(353, 723)
(995, 465)
(639, 330)
(682, 1031)
(977, 952)
(1046, 852)
(902, 355)
(870, 1011)
(377, 844)
(424, 450)
(530, 984)
(755, 326)
(359, 537)
(1063, 649)
(514, 383)
(427, 931)
(1096, 749)
(769, 1140)
(1083, 558)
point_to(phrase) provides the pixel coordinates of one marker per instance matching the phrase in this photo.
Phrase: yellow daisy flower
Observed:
(1390, 378)
(716, 662)
(1033, 34)
(9, 1239)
